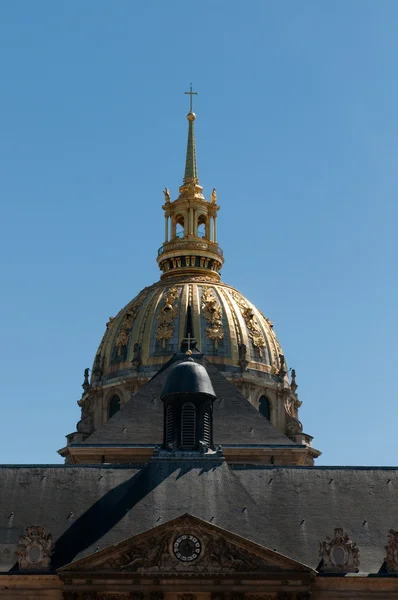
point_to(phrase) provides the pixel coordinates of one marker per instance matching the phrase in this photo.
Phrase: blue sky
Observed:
(297, 128)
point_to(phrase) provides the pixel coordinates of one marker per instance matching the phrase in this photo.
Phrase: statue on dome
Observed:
(136, 360)
(293, 383)
(282, 369)
(214, 196)
(243, 356)
(166, 193)
(86, 382)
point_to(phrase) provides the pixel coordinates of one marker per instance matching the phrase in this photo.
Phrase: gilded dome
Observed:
(230, 331)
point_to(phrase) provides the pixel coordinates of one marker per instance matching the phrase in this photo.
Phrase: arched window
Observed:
(265, 407)
(169, 425)
(206, 426)
(188, 423)
(114, 406)
(180, 226)
(202, 226)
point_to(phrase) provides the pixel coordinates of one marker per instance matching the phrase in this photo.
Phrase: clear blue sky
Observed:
(297, 128)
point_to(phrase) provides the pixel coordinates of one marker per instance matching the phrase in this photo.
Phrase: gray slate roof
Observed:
(289, 509)
(236, 421)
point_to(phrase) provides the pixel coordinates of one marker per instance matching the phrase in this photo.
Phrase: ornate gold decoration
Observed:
(166, 317)
(212, 313)
(34, 549)
(126, 325)
(166, 193)
(391, 559)
(339, 554)
(193, 279)
(255, 333)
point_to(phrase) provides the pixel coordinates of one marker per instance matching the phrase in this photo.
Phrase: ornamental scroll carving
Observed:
(126, 325)
(212, 313)
(391, 559)
(231, 557)
(339, 554)
(167, 315)
(255, 333)
(35, 549)
(153, 556)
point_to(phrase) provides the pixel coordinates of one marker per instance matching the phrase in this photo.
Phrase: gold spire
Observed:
(190, 245)
(191, 171)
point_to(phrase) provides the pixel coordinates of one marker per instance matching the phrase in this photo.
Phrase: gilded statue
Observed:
(214, 196)
(166, 193)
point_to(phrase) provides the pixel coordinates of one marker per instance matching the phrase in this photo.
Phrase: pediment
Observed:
(186, 545)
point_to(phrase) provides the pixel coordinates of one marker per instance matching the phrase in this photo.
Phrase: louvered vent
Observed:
(188, 417)
(169, 425)
(206, 427)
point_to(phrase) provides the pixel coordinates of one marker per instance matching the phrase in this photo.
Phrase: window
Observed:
(202, 226)
(188, 422)
(265, 407)
(179, 226)
(169, 425)
(114, 406)
(206, 427)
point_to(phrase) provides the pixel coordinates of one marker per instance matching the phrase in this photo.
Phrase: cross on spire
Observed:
(188, 344)
(191, 93)
(188, 340)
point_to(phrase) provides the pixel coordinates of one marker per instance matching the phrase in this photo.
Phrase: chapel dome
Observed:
(228, 329)
(190, 301)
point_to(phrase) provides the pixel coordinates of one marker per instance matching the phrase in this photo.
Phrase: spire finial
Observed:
(191, 171)
(191, 93)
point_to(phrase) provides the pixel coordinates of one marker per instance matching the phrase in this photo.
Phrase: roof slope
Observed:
(90, 508)
(235, 420)
(288, 509)
(303, 505)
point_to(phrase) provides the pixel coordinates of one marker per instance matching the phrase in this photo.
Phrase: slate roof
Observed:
(289, 509)
(235, 421)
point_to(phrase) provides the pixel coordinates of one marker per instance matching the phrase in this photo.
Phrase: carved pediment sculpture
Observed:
(339, 554)
(391, 559)
(34, 549)
(186, 545)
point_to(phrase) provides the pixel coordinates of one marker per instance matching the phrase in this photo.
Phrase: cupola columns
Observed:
(190, 240)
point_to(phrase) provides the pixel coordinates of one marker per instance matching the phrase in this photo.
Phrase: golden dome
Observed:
(231, 332)
(189, 301)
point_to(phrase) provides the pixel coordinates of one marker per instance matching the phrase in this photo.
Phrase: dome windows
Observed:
(114, 405)
(264, 407)
(179, 226)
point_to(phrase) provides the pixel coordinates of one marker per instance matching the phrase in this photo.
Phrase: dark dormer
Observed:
(188, 398)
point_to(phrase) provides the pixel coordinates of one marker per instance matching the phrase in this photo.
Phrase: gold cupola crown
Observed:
(190, 244)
